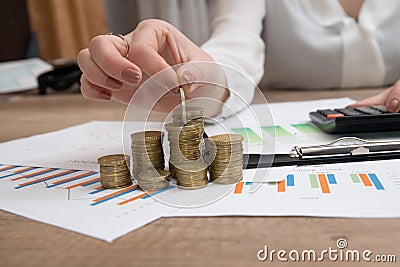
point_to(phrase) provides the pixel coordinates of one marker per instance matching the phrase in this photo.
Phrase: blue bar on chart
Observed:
(290, 180)
(378, 185)
(331, 178)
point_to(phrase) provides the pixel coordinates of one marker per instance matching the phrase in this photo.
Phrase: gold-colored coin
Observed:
(112, 160)
(114, 171)
(227, 139)
(227, 166)
(149, 135)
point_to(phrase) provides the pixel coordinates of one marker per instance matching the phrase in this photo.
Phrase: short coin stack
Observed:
(147, 151)
(151, 180)
(114, 171)
(191, 175)
(227, 166)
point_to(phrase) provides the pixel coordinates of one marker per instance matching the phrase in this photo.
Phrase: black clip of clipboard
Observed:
(345, 149)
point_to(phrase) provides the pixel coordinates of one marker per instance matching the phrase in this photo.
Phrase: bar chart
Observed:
(322, 181)
(277, 131)
(280, 186)
(47, 178)
(367, 180)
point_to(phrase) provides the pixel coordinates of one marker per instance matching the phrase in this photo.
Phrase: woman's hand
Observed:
(155, 45)
(390, 98)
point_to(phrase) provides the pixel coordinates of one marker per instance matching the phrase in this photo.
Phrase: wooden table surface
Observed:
(205, 241)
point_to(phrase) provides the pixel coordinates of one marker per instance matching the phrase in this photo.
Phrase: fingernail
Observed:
(104, 95)
(394, 105)
(130, 75)
(113, 83)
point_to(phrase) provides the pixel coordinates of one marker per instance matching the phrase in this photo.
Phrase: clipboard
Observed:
(342, 150)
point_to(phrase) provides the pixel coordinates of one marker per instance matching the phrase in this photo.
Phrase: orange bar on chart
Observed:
(115, 193)
(134, 198)
(324, 183)
(73, 177)
(40, 179)
(281, 186)
(35, 174)
(365, 179)
(84, 183)
(7, 168)
(239, 188)
(25, 169)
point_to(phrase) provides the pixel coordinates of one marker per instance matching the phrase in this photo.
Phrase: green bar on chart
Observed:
(276, 131)
(271, 183)
(248, 134)
(355, 178)
(314, 181)
(306, 128)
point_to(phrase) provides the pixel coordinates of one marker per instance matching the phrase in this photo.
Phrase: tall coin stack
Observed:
(185, 136)
(114, 171)
(227, 166)
(191, 175)
(147, 151)
(184, 144)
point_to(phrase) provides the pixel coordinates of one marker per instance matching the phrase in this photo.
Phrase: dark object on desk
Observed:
(59, 79)
(345, 149)
(360, 119)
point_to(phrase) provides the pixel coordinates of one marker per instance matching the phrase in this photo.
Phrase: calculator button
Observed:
(349, 111)
(369, 110)
(333, 116)
(381, 108)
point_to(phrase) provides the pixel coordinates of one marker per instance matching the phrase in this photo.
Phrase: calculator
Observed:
(359, 119)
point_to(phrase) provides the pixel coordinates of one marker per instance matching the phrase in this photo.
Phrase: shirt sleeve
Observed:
(236, 42)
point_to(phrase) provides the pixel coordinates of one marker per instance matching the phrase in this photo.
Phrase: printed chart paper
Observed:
(75, 200)
(53, 178)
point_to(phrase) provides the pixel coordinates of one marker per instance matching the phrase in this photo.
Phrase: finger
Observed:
(153, 65)
(146, 55)
(108, 52)
(93, 91)
(393, 99)
(379, 99)
(94, 74)
(190, 75)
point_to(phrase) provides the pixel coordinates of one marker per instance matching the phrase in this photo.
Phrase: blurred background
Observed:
(53, 29)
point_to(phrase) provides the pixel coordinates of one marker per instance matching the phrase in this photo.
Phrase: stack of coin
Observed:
(114, 171)
(191, 175)
(185, 135)
(152, 180)
(185, 143)
(227, 166)
(147, 151)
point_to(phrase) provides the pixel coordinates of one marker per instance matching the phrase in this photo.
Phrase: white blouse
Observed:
(308, 43)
